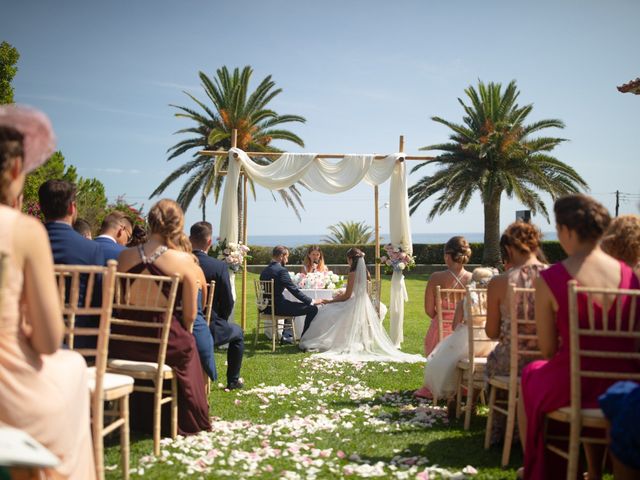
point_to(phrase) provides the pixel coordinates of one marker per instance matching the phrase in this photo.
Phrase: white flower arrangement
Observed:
(233, 254)
(317, 280)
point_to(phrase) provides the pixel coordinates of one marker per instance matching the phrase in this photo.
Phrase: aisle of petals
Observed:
(327, 409)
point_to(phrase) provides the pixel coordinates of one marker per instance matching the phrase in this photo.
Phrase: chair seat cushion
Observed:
(132, 365)
(478, 362)
(111, 380)
(591, 417)
(500, 381)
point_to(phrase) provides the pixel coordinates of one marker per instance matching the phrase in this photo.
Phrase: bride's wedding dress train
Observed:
(351, 330)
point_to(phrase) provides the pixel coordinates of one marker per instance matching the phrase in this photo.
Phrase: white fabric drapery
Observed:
(329, 177)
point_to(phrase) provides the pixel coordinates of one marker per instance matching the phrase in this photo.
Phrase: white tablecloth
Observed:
(312, 293)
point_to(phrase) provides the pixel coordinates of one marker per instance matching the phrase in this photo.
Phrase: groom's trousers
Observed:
(297, 309)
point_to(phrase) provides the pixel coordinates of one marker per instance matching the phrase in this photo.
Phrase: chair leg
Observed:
(293, 329)
(510, 427)
(469, 404)
(157, 411)
(255, 339)
(574, 449)
(98, 443)
(274, 333)
(434, 400)
(174, 406)
(487, 432)
(124, 436)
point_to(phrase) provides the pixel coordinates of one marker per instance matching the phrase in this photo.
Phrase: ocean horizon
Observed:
(298, 240)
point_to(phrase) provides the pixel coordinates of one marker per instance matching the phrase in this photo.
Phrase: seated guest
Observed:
(200, 329)
(520, 248)
(223, 331)
(456, 255)
(622, 240)
(58, 204)
(580, 223)
(621, 405)
(115, 233)
(83, 228)
(43, 389)
(275, 271)
(440, 371)
(313, 261)
(138, 236)
(162, 255)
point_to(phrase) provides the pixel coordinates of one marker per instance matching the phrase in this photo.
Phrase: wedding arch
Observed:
(319, 174)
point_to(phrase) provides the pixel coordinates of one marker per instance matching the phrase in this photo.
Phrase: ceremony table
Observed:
(314, 294)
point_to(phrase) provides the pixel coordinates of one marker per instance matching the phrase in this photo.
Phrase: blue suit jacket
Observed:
(110, 249)
(71, 248)
(282, 280)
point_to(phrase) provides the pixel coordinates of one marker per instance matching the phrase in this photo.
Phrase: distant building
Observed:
(632, 87)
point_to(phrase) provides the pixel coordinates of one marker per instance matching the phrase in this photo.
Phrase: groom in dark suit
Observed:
(276, 271)
(222, 330)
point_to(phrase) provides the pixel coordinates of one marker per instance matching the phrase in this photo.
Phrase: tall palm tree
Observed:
(349, 233)
(233, 107)
(493, 153)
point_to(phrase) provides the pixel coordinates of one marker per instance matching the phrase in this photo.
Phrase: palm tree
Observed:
(493, 153)
(349, 233)
(233, 108)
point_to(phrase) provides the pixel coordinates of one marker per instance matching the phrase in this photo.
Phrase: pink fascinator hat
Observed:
(39, 140)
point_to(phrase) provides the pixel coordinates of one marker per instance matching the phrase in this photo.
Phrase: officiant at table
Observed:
(313, 261)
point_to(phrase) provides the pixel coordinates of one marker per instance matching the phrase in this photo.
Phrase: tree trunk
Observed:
(204, 210)
(491, 255)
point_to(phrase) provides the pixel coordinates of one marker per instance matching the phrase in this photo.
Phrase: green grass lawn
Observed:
(301, 418)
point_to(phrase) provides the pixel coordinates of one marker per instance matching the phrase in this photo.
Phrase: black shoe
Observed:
(286, 341)
(237, 385)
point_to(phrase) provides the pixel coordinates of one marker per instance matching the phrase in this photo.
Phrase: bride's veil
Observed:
(360, 280)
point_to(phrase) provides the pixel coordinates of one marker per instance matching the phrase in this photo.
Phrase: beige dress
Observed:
(45, 395)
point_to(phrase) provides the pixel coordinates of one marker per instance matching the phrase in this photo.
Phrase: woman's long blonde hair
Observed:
(167, 220)
(307, 261)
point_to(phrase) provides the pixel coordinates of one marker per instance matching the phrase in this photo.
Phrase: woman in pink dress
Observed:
(580, 223)
(457, 253)
(43, 390)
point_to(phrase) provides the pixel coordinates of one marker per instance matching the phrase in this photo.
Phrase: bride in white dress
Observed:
(349, 328)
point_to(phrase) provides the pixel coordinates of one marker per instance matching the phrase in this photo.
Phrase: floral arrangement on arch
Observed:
(396, 259)
(233, 254)
(317, 280)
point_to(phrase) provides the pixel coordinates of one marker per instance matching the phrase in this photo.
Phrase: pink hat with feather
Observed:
(39, 141)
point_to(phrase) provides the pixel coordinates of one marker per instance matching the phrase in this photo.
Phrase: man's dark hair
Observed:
(279, 250)
(201, 232)
(55, 198)
(82, 226)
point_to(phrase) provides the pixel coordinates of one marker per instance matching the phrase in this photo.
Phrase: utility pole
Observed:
(617, 201)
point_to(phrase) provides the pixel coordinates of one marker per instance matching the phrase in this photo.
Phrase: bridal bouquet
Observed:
(396, 259)
(233, 254)
(317, 280)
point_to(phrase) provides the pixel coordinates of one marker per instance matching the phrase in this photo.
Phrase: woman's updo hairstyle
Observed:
(167, 220)
(459, 250)
(354, 254)
(522, 236)
(622, 239)
(582, 214)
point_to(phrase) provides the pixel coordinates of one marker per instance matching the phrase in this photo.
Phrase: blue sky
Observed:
(361, 72)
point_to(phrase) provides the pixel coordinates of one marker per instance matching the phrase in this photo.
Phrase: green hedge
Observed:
(424, 253)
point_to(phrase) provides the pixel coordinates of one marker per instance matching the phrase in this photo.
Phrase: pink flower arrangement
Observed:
(397, 259)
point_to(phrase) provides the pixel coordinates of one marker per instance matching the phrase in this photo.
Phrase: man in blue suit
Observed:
(222, 330)
(276, 271)
(58, 204)
(115, 233)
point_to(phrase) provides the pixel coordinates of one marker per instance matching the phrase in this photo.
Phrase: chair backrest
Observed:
(523, 337)
(475, 315)
(446, 301)
(208, 307)
(154, 297)
(264, 295)
(606, 337)
(68, 280)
